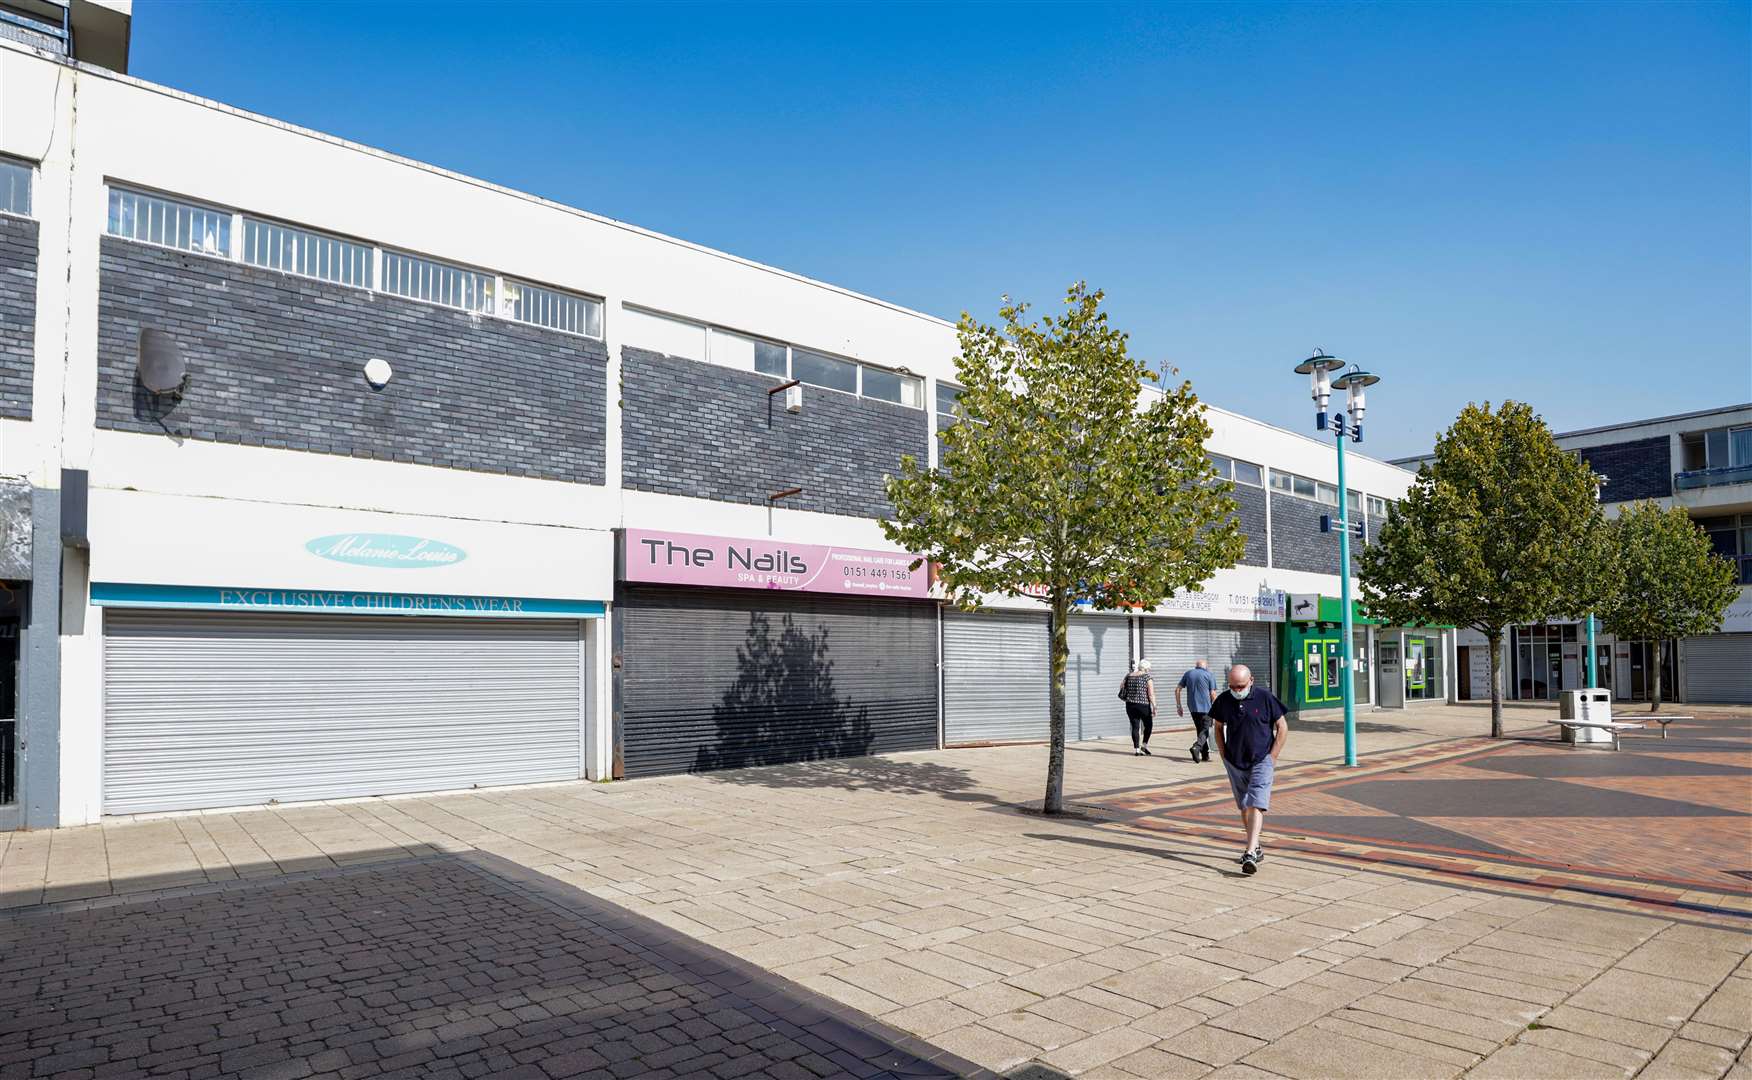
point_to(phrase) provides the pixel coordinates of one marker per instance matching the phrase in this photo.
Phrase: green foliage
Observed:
(1054, 478)
(1503, 527)
(1674, 583)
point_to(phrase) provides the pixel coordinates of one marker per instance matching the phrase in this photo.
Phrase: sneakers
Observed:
(1146, 749)
(1136, 752)
(1194, 752)
(1250, 862)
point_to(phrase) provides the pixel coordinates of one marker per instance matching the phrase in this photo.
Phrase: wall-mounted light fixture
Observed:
(378, 372)
(793, 391)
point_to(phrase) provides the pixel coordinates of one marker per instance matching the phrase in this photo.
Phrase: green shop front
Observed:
(1394, 666)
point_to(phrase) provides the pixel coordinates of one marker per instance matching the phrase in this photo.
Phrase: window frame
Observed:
(234, 247)
(28, 171)
(1236, 470)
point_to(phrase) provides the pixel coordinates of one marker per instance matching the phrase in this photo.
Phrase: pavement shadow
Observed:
(1140, 849)
(1334, 727)
(852, 774)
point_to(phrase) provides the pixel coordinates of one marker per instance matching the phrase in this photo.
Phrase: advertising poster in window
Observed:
(1414, 663)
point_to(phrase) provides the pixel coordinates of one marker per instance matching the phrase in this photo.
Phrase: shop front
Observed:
(731, 652)
(1392, 666)
(258, 653)
(1223, 628)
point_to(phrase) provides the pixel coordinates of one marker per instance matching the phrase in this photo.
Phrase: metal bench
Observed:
(1663, 719)
(1613, 726)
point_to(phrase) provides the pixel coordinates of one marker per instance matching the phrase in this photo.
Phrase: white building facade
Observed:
(453, 487)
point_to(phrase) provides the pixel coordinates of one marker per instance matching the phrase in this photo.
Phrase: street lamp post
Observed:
(1319, 368)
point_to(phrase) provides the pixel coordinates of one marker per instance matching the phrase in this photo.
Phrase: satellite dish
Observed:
(161, 368)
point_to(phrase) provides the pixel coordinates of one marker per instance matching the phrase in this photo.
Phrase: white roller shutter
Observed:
(1172, 645)
(1100, 655)
(1718, 669)
(995, 670)
(208, 709)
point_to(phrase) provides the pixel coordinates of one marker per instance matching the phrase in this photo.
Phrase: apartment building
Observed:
(326, 473)
(1701, 461)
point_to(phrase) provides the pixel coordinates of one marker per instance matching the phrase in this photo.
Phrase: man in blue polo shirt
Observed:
(1200, 685)
(1250, 732)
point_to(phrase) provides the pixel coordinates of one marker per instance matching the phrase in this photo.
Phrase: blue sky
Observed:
(1477, 201)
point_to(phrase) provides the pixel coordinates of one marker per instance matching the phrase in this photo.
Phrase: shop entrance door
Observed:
(1320, 673)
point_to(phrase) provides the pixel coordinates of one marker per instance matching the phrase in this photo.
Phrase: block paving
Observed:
(922, 891)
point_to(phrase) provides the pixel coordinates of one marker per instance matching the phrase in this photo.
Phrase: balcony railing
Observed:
(1703, 478)
(35, 32)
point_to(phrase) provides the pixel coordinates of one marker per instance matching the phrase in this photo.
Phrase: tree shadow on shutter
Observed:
(783, 706)
(784, 709)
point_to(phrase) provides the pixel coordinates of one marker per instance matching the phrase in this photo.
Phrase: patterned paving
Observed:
(1661, 819)
(443, 967)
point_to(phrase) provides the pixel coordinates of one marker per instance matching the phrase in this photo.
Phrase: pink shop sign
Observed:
(674, 558)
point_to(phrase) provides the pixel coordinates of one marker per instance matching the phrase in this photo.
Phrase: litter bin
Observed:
(1592, 705)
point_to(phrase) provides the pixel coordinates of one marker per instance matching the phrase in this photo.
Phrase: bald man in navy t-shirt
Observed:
(1251, 732)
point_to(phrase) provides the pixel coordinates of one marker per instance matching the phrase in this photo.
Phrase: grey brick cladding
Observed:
(1296, 540)
(275, 360)
(1251, 501)
(698, 429)
(1641, 469)
(18, 276)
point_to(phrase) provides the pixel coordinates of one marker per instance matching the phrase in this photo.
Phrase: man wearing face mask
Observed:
(1250, 730)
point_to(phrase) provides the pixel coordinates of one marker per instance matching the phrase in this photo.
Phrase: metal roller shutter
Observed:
(208, 709)
(1718, 669)
(1100, 655)
(1173, 644)
(715, 679)
(995, 666)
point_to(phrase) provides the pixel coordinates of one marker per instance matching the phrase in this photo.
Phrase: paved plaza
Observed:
(1454, 907)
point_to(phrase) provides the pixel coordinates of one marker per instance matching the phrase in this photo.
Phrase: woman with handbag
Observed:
(1138, 691)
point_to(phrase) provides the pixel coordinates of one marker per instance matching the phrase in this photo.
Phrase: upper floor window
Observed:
(15, 178)
(1377, 506)
(1242, 472)
(948, 399)
(696, 341)
(1720, 448)
(1302, 486)
(437, 283)
(1353, 500)
(170, 222)
(311, 254)
(292, 249)
(542, 306)
(1731, 537)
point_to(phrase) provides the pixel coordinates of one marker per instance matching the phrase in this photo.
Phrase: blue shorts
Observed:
(1252, 786)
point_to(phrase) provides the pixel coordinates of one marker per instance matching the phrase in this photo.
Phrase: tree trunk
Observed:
(1055, 760)
(1660, 658)
(1495, 638)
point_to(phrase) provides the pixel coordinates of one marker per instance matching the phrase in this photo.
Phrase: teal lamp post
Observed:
(1320, 368)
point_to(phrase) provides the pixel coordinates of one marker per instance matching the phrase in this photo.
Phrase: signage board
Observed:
(385, 550)
(338, 602)
(1304, 607)
(1266, 605)
(673, 558)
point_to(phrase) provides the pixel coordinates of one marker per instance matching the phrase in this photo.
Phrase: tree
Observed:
(1502, 527)
(1054, 479)
(1675, 584)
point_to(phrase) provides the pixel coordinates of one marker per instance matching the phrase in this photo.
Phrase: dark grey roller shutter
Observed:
(995, 666)
(1718, 669)
(210, 709)
(1173, 644)
(718, 679)
(1100, 655)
